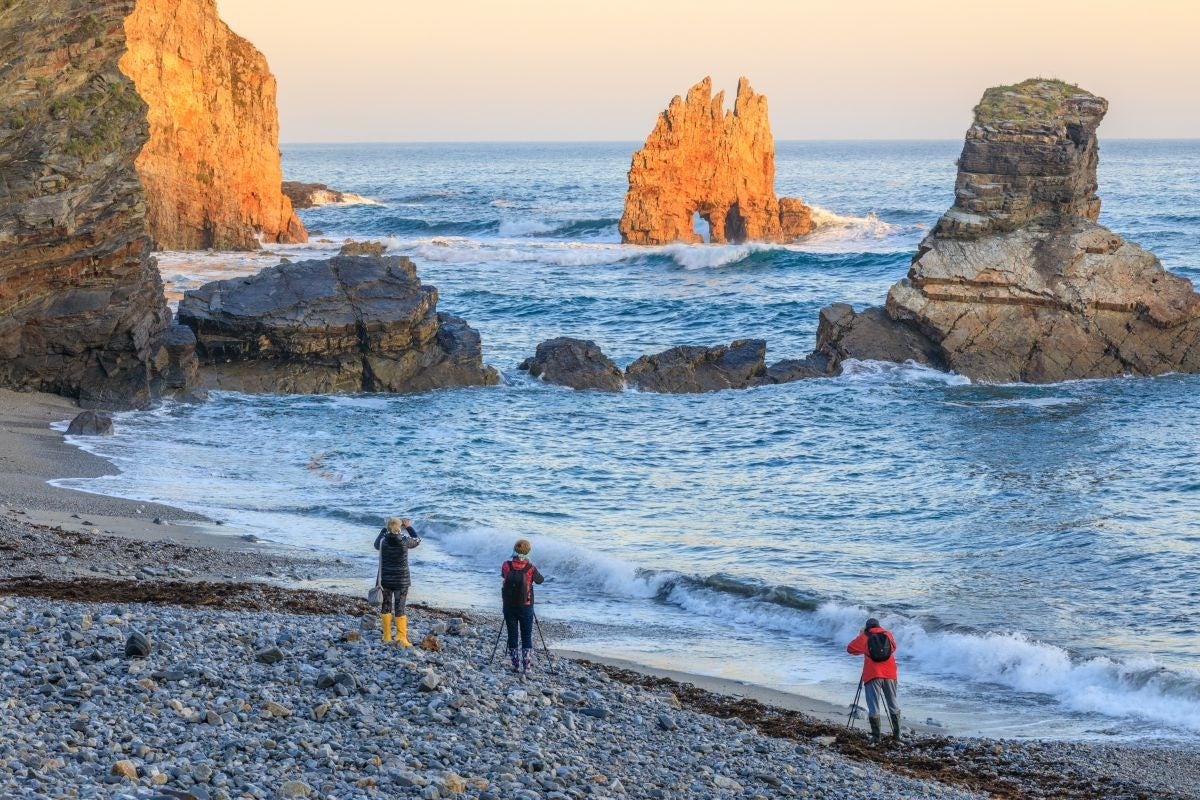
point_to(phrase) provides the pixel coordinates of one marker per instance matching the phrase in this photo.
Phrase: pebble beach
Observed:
(253, 688)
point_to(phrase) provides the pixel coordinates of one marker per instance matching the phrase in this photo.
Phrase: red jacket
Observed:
(874, 669)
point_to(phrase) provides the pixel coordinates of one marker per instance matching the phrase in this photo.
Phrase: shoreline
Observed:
(61, 545)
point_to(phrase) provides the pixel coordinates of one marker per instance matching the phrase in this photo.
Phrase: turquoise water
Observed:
(1034, 548)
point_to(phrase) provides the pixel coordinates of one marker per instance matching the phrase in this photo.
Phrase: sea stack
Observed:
(211, 167)
(1017, 281)
(82, 311)
(702, 159)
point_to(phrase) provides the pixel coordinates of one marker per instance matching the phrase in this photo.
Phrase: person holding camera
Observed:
(393, 543)
(518, 575)
(877, 646)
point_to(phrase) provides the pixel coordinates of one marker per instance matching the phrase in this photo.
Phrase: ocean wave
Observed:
(1138, 688)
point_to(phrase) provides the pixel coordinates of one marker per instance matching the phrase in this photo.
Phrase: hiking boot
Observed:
(896, 727)
(515, 657)
(874, 729)
(526, 658)
(387, 628)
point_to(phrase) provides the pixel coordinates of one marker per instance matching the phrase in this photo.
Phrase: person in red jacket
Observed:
(877, 646)
(518, 575)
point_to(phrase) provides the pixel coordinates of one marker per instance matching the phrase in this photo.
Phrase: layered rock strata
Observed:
(82, 311)
(577, 363)
(1017, 281)
(346, 324)
(701, 159)
(211, 167)
(689, 369)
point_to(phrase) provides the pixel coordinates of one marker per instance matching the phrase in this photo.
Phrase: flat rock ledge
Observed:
(345, 324)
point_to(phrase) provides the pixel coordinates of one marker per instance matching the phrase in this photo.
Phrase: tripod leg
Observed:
(854, 706)
(542, 636)
(499, 633)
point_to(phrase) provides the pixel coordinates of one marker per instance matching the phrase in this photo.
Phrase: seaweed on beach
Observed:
(1002, 770)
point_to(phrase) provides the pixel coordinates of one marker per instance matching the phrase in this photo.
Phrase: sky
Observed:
(560, 70)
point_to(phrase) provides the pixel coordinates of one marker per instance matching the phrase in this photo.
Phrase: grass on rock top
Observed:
(1037, 100)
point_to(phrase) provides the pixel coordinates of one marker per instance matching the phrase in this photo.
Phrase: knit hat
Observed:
(872, 623)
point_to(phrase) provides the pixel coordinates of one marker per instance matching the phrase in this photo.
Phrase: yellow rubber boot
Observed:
(402, 632)
(387, 628)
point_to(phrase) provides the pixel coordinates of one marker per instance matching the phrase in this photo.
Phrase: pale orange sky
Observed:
(455, 70)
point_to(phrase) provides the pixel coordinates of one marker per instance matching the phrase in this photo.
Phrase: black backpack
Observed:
(513, 590)
(879, 646)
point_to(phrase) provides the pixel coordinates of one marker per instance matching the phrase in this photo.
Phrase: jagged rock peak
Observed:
(702, 159)
(211, 167)
(1029, 157)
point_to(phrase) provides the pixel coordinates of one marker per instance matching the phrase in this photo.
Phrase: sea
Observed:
(1035, 549)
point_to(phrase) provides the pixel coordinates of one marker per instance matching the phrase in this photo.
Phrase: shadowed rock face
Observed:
(82, 311)
(347, 324)
(577, 363)
(701, 159)
(1017, 282)
(211, 166)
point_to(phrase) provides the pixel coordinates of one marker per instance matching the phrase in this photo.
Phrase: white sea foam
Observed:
(1140, 688)
(908, 372)
(712, 256)
(525, 227)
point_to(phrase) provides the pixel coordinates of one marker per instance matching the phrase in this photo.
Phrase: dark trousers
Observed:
(394, 598)
(522, 616)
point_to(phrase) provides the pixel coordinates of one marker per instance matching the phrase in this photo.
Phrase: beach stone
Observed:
(269, 655)
(137, 645)
(666, 722)
(824, 741)
(91, 423)
(430, 682)
(431, 643)
(124, 769)
(723, 782)
(277, 710)
(294, 789)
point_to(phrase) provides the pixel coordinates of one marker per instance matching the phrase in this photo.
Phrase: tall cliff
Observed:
(211, 167)
(702, 159)
(82, 311)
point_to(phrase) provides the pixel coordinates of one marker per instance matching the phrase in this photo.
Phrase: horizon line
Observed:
(637, 141)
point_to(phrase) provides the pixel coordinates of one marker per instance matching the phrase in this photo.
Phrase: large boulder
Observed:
(870, 335)
(701, 159)
(689, 368)
(577, 363)
(312, 195)
(1017, 281)
(90, 423)
(346, 324)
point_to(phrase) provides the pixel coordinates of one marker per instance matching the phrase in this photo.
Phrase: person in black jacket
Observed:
(393, 544)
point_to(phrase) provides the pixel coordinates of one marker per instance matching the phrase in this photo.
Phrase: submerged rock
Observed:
(689, 368)
(577, 363)
(363, 249)
(90, 423)
(345, 324)
(312, 195)
(871, 335)
(701, 159)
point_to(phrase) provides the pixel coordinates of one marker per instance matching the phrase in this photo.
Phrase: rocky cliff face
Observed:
(346, 324)
(82, 311)
(1017, 282)
(211, 166)
(701, 159)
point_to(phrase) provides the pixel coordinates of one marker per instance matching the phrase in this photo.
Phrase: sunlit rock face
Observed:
(211, 167)
(701, 159)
